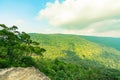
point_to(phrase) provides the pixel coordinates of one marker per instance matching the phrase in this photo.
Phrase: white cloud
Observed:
(91, 32)
(105, 25)
(85, 17)
(77, 14)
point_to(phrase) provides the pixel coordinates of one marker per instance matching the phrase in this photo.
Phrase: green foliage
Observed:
(75, 48)
(79, 58)
(68, 57)
(60, 70)
(27, 61)
(16, 48)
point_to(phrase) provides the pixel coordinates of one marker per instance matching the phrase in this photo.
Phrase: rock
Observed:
(19, 73)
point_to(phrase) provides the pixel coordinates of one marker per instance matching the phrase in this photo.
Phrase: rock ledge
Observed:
(19, 73)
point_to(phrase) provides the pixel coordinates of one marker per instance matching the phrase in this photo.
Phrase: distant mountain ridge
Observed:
(107, 41)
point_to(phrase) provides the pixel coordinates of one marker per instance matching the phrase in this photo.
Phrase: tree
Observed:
(17, 47)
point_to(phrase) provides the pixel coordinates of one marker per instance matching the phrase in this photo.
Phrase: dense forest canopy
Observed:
(75, 57)
(16, 48)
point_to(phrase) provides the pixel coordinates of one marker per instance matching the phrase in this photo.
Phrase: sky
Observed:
(81, 17)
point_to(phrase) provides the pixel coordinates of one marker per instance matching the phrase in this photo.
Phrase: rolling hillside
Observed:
(95, 52)
(74, 48)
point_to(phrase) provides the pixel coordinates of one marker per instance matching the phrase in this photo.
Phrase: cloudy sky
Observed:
(82, 17)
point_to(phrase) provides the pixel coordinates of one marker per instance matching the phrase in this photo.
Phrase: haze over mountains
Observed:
(107, 41)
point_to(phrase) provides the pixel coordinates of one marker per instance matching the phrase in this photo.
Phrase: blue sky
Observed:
(23, 13)
(82, 17)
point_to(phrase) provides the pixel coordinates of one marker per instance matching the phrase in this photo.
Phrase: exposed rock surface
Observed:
(19, 73)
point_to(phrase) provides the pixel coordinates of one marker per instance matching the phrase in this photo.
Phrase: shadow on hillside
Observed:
(87, 64)
(73, 64)
(110, 56)
(71, 57)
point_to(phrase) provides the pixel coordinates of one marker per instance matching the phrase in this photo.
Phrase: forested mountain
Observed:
(94, 58)
(107, 41)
